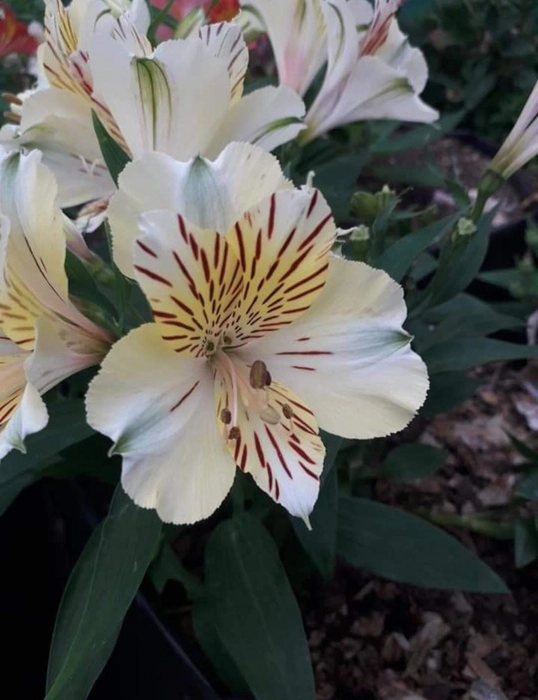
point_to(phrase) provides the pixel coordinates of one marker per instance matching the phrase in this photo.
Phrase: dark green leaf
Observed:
(447, 390)
(113, 154)
(462, 265)
(168, 567)
(86, 458)
(82, 283)
(525, 541)
(418, 176)
(67, 426)
(207, 636)
(458, 355)
(420, 136)
(257, 616)
(98, 595)
(320, 542)
(412, 461)
(338, 180)
(397, 259)
(468, 317)
(402, 547)
(527, 486)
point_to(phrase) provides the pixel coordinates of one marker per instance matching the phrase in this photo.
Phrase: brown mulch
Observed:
(377, 640)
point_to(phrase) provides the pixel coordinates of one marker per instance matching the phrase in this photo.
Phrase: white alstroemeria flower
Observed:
(210, 194)
(59, 124)
(259, 337)
(521, 145)
(372, 72)
(185, 99)
(68, 32)
(44, 338)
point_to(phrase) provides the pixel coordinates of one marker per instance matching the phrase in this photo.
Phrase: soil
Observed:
(377, 640)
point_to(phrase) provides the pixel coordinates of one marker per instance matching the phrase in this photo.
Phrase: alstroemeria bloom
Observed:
(186, 98)
(59, 124)
(259, 337)
(68, 32)
(44, 338)
(521, 145)
(372, 72)
(14, 35)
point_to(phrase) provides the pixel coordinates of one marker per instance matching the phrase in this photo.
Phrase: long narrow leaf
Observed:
(98, 595)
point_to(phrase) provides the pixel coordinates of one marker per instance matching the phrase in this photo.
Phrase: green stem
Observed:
(159, 18)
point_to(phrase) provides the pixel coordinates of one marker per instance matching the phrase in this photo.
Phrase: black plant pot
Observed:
(41, 537)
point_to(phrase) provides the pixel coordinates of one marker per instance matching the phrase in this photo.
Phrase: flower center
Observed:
(248, 385)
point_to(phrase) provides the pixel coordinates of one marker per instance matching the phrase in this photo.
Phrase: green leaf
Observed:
(466, 316)
(397, 259)
(420, 136)
(527, 486)
(412, 461)
(462, 265)
(67, 426)
(338, 180)
(525, 541)
(82, 283)
(113, 154)
(98, 594)
(207, 636)
(464, 353)
(447, 390)
(402, 547)
(257, 616)
(425, 175)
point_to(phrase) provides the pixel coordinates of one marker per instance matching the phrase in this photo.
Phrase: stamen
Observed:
(287, 411)
(259, 375)
(12, 99)
(234, 433)
(226, 416)
(12, 117)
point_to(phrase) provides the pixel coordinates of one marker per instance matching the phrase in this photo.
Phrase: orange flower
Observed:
(14, 36)
(220, 11)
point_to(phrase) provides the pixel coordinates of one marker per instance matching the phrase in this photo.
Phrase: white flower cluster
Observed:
(260, 336)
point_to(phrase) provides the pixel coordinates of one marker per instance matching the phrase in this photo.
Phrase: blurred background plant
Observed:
(477, 50)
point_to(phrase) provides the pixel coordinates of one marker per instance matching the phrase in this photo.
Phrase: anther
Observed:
(226, 416)
(287, 411)
(12, 99)
(259, 375)
(12, 117)
(234, 433)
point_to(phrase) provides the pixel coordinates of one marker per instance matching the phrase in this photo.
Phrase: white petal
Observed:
(210, 194)
(225, 41)
(36, 238)
(159, 409)
(374, 90)
(30, 417)
(348, 358)
(60, 352)
(59, 124)
(267, 117)
(283, 246)
(297, 33)
(173, 102)
(285, 457)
